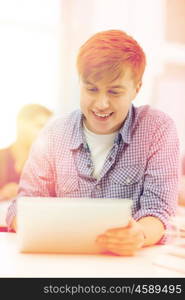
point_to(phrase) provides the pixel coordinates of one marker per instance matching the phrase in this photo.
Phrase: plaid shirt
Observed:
(142, 165)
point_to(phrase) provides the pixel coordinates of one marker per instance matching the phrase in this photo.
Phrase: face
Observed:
(29, 129)
(106, 105)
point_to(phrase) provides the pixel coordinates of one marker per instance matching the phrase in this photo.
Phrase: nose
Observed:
(102, 102)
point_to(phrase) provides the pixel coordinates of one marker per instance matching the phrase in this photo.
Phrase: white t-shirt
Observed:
(99, 145)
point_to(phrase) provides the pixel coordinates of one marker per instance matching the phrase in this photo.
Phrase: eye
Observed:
(114, 92)
(93, 90)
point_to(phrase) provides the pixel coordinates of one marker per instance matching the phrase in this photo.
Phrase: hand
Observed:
(181, 200)
(8, 191)
(123, 241)
(181, 195)
(14, 224)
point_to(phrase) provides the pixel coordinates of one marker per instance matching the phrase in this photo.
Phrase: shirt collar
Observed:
(125, 130)
(78, 137)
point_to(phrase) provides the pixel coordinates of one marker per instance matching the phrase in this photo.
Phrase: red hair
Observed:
(106, 54)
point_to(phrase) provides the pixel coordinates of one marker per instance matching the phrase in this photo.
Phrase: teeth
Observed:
(102, 115)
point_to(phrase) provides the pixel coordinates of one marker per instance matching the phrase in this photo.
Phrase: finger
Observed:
(122, 251)
(109, 239)
(126, 247)
(125, 253)
(118, 229)
(128, 237)
(107, 243)
(103, 241)
(122, 235)
(133, 233)
(119, 241)
(120, 246)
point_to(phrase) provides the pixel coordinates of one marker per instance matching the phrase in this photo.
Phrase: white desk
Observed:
(15, 264)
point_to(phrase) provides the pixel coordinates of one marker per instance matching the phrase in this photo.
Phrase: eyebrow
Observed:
(117, 87)
(88, 82)
(111, 87)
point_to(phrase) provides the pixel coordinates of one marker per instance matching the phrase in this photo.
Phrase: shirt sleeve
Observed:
(37, 178)
(160, 191)
(181, 199)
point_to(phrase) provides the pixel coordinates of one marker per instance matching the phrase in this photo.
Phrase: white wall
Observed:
(40, 41)
(143, 19)
(29, 58)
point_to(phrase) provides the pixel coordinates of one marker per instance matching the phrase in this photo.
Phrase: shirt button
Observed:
(110, 158)
(127, 180)
(98, 187)
(88, 165)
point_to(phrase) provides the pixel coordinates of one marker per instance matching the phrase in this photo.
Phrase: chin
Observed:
(103, 131)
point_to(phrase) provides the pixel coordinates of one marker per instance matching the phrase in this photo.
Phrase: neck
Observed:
(19, 148)
(20, 153)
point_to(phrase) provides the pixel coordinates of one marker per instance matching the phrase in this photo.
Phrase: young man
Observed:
(110, 148)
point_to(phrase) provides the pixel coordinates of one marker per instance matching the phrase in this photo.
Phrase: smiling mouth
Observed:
(101, 116)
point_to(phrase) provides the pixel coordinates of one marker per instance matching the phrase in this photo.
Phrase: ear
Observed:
(138, 86)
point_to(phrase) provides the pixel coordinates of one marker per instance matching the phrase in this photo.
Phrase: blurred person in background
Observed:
(30, 120)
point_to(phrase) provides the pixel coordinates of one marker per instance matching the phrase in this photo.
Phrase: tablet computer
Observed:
(67, 225)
